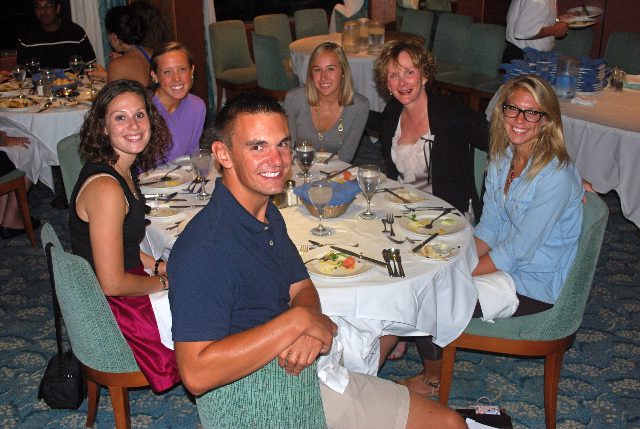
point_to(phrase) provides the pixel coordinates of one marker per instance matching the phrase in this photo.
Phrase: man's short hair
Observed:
(245, 103)
(55, 2)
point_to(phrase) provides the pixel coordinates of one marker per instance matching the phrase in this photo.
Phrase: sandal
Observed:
(398, 351)
(421, 385)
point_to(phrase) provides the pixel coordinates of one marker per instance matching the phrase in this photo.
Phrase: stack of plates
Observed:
(592, 75)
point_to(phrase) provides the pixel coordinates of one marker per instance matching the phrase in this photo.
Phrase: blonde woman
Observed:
(327, 110)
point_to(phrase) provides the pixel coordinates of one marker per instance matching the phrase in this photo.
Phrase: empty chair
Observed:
(450, 43)
(95, 337)
(232, 64)
(418, 22)
(576, 43)
(272, 76)
(623, 50)
(14, 181)
(441, 5)
(549, 333)
(310, 22)
(340, 19)
(277, 26)
(70, 162)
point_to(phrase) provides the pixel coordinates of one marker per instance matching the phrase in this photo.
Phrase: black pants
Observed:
(511, 52)
(430, 351)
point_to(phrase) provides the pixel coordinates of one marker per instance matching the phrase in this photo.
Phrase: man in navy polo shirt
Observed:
(241, 296)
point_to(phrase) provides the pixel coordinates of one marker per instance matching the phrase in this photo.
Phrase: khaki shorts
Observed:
(368, 403)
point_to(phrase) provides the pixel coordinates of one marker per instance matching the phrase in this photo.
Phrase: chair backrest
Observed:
(442, 5)
(341, 19)
(418, 22)
(269, 68)
(623, 50)
(70, 162)
(576, 43)
(480, 159)
(484, 52)
(267, 398)
(275, 25)
(310, 22)
(95, 337)
(450, 43)
(229, 48)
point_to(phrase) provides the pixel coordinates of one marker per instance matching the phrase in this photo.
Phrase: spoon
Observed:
(387, 259)
(444, 212)
(395, 256)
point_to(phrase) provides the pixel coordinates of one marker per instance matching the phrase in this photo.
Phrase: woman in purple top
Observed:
(172, 75)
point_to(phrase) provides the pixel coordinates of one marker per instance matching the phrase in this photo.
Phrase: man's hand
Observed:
(5, 140)
(302, 353)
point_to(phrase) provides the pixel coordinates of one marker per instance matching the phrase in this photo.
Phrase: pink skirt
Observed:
(137, 322)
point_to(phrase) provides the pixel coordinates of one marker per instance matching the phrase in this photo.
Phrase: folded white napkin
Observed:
(583, 100)
(497, 295)
(330, 372)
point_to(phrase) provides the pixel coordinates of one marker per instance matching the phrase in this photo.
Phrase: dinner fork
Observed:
(303, 248)
(406, 239)
(390, 221)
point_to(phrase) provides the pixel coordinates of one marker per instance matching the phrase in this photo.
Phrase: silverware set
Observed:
(393, 262)
(390, 234)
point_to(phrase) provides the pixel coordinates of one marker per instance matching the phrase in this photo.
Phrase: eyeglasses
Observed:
(529, 115)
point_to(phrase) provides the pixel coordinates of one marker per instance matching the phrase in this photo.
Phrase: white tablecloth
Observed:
(361, 67)
(435, 298)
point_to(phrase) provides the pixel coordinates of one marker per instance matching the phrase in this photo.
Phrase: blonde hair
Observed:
(346, 84)
(550, 141)
(421, 58)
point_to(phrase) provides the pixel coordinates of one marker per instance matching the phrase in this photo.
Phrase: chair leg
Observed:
(93, 396)
(23, 202)
(446, 373)
(120, 404)
(552, 367)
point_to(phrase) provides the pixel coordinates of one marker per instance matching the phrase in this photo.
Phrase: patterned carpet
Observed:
(600, 376)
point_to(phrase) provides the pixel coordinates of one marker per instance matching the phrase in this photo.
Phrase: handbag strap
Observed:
(56, 307)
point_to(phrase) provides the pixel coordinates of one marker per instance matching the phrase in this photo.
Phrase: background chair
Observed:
(480, 160)
(418, 22)
(341, 19)
(232, 65)
(310, 22)
(442, 5)
(273, 79)
(576, 43)
(70, 162)
(14, 181)
(548, 333)
(95, 337)
(276, 25)
(450, 43)
(623, 50)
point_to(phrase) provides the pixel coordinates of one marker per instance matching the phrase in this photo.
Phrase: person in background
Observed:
(532, 24)
(229, 323)
(122, 131)
(53, 40)
(327, 110)
(157, 30)
(427, 141)
(172, 73)
(11, 222)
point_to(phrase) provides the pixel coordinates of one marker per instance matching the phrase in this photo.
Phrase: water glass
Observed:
(369, 179)
(76, 64)
(201, 160)
(305, 153)
(320, 193)
(19, 74)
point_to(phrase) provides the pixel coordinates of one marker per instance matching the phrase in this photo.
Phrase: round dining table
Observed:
(436, 297)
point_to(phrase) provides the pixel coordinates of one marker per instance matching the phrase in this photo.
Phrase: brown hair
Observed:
(346, 84)
(420, 57)
(95, 145)
(550, 142)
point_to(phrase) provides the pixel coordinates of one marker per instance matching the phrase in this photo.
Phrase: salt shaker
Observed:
(290, 197)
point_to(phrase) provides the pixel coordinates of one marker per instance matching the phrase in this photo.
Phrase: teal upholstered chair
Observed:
(276, 25)
(273, 79)
(14, 181)
(441, 5)
(268, 398)
(418, 22)
(70, 162)
(623, 50)
(341, 19)
(450, 42)
(95, 337)
(576, 42)
(310, 22)
(232, 64)
(480, 159)
(546, 334)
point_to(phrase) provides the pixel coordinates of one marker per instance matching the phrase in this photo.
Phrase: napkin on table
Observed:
(342, 192)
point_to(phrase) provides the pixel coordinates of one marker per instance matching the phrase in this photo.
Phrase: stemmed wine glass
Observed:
(76, 64)
(305, 152)
(201, 161)
(320, 192)
(48, 77)
(369, 179)
(33, 66)
(19, 73)
(89, 68)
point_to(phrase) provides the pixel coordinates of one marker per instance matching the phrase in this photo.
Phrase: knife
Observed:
(160, 180)
(187, 207)
(359, 256)
(385, 255)
(421, 245)
(171, 195)
(395, 194)
(335, 173)
(326, 161)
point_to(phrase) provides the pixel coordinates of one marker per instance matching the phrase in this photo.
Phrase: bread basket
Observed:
(329, 211)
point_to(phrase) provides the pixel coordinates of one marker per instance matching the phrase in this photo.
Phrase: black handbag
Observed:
(63, 384)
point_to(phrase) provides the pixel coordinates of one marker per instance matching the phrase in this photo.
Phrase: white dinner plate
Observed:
(581, 24)
(178, 178)
(412, 195)
(448, 224)
(333, 268)
(4, 106)
(321, 157)
(184, 161)
(161, 212)
(438, 250)
(593, 11)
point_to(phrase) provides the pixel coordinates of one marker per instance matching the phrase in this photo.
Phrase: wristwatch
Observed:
(163, 282)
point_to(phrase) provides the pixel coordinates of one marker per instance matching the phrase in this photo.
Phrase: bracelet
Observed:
(163, 282)
(155, 268)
